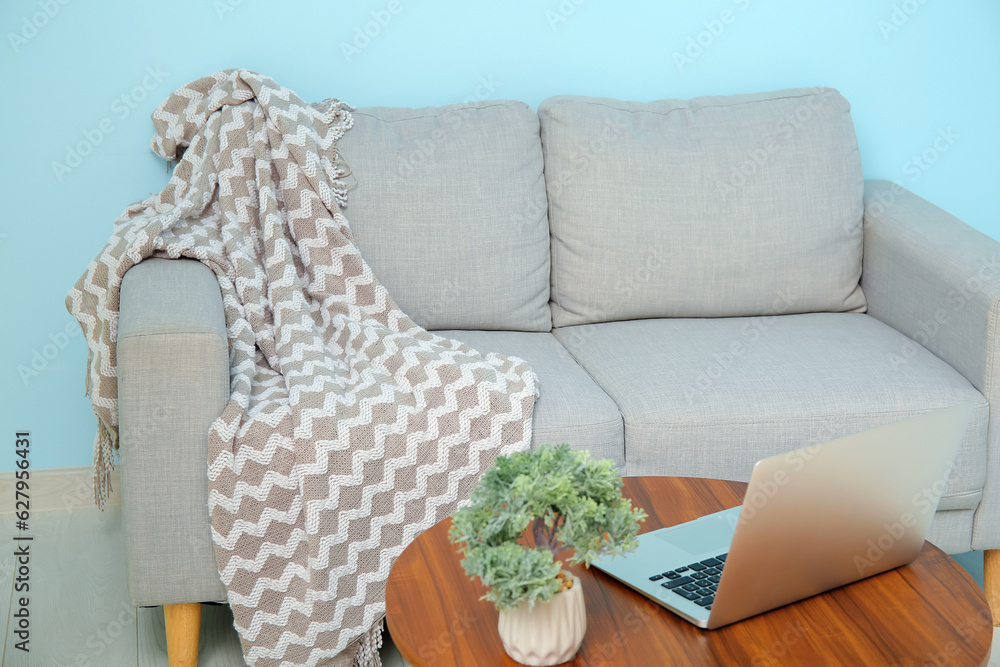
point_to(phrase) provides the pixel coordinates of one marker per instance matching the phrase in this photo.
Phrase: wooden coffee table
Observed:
(929, 612)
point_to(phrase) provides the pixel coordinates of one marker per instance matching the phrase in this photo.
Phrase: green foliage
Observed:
(567, 499)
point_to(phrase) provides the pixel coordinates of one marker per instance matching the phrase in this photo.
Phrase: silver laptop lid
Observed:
(827, 515)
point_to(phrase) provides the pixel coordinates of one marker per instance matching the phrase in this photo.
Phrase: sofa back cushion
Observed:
(739, 205)
(447, 205)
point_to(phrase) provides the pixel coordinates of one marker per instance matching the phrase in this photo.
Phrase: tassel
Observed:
(368, 646)
(104, 463)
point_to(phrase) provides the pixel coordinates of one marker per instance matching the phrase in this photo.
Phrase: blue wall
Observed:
(75, 72)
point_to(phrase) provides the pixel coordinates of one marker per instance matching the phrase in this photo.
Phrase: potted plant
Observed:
(568, 501)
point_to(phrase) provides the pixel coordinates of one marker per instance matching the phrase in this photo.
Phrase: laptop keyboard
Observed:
(696, 582)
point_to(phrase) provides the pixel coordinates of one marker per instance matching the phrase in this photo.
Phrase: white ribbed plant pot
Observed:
(550, 633)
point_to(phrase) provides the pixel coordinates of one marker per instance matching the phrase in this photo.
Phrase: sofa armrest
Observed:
(173, 382)
(935, 279)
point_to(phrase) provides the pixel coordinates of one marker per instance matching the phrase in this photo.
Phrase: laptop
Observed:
(811, 520)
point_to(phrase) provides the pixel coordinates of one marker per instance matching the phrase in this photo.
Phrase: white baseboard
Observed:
(57, 489)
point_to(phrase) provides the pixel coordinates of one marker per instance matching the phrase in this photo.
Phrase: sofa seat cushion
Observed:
(447, 205)
(571, 407)
(709, 207)
(710, 397)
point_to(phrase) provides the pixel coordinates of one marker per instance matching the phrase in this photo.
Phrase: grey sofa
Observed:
(698, 284)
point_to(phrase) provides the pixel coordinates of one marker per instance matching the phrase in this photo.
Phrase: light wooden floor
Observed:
(79, 608)
(78, 603)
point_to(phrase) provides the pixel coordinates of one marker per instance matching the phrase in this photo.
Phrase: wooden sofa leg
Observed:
(991, 579)
(183, 626)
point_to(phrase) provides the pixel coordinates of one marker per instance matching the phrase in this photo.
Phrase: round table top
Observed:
(927, 612)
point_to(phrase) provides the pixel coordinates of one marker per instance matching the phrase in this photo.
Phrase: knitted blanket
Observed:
(350, 429)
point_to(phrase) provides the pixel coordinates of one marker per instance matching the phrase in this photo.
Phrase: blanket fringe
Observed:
(368, 646)
(104, 462)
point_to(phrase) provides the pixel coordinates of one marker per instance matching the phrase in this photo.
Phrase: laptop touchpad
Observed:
(711, 534)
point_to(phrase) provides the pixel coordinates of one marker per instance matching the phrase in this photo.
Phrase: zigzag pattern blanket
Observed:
(350, 429)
